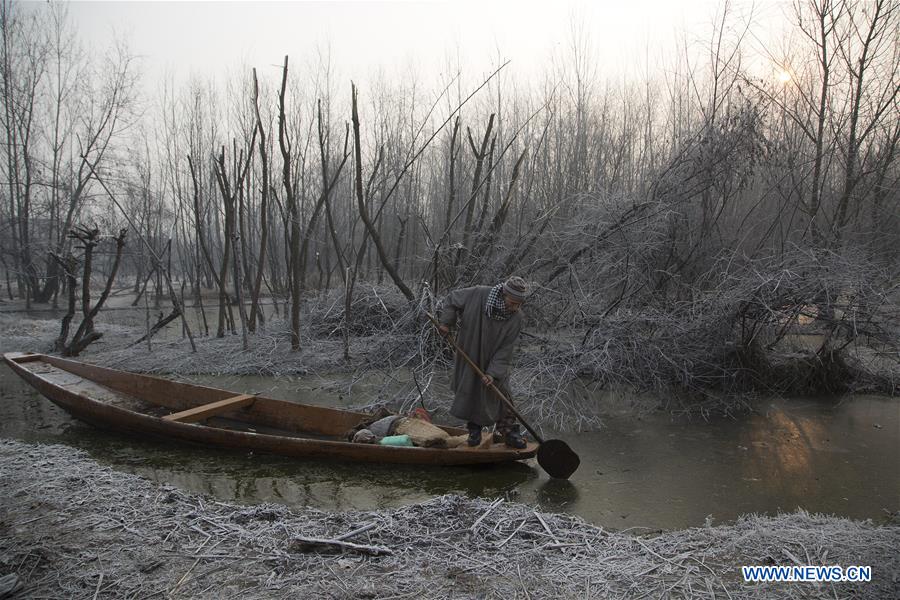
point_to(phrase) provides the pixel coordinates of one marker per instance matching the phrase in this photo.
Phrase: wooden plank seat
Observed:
(198, 413)
(25, 357)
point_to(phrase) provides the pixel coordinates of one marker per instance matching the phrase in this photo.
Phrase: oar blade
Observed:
(557, 459)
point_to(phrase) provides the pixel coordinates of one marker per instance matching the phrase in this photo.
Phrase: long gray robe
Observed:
(489, 343)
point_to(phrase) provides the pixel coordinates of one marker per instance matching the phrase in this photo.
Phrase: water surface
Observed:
(829, 455)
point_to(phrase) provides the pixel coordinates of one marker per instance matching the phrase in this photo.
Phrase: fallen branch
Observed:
(303, 544)
(355, 532)
(162, 322)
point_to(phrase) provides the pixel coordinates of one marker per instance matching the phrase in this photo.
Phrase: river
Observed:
(836, 456)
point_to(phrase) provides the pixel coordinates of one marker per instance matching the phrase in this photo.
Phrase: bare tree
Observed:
(86, 334)
(293, 212)
(263, 209)
(229, 193)
(364, 212)
(52, 92)
(870, 53)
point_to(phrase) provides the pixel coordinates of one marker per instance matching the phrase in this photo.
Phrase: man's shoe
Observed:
(474, 436)
(515, 440)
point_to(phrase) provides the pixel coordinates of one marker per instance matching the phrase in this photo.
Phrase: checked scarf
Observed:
(496, 307)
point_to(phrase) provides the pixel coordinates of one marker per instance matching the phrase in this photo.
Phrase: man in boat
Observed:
(490, 320)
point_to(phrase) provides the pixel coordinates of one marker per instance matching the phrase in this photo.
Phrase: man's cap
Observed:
(517, 288)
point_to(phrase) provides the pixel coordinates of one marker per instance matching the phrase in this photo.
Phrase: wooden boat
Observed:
(158, 407)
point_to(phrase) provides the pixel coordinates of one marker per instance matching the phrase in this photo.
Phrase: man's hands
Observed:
(444, 330)
(487, 380)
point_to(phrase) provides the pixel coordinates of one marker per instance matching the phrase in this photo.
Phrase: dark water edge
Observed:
(835, 456)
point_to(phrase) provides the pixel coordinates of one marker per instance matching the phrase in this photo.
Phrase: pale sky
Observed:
(210, 38)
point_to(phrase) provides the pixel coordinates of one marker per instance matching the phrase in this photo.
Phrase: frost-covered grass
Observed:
(72, 528)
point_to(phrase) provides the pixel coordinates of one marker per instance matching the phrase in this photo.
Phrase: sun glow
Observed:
(784, 76)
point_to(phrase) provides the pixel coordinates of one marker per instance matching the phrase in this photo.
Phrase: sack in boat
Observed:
(385, 427)
(426, 435)
(364, 436)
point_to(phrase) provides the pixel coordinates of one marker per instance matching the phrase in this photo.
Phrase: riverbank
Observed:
(70, 527)
(551, 384)
(269, 352)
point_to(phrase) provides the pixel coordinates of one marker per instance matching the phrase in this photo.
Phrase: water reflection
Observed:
(779, 451)
(556, 494)
(331, 485)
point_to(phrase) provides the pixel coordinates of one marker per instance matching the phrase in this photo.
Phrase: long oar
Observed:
(554, 456)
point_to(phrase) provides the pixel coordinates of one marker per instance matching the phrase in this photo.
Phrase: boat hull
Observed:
(79, 389)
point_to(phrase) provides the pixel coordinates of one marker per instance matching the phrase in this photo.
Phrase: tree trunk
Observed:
(292, 210)
(363, 211)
